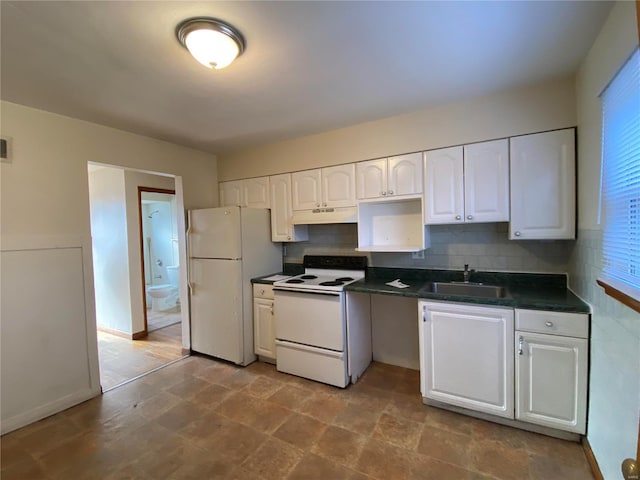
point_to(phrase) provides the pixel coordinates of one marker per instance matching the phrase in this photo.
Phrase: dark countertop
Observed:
(528, 291)
(524, 290)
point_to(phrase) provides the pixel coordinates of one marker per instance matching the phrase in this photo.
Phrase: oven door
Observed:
(310, 318)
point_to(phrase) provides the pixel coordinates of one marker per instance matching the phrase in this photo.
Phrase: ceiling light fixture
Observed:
(212, 42)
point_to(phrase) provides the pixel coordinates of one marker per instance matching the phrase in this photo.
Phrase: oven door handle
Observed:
(310, 292)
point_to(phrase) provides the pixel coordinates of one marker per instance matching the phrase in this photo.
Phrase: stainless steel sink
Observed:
(466, 288)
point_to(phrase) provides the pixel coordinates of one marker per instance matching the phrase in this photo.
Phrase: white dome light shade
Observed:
(211, 42)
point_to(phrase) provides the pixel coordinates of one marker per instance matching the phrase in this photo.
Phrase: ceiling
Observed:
(308, 67)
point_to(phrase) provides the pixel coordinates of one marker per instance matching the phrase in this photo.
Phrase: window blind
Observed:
(621, 177)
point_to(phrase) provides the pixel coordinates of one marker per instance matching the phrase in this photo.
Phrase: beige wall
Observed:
(44, 208)
(614, 377)
(541, 107)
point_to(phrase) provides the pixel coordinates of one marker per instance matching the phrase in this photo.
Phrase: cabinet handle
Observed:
(288, 238)
(271, 310)
(520, 345)
(548, 324)
(517, 234)
(262, 292)
(317, 204)
(458, 217)
(324, 204)
(390, 192)
(383, 193)
(469, 217)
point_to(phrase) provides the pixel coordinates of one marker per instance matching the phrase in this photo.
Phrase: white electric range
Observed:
(316, 337)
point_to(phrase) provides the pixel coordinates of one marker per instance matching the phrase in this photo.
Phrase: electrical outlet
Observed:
(418, 255)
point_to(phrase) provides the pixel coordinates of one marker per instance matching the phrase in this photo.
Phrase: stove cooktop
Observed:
(326, 273)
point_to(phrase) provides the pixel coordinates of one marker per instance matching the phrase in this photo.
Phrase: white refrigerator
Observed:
(227, 247)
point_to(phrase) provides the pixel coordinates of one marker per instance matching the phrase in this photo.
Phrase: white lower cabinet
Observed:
(466, 356)
(541, 378)
(264, 335)
(552, 369)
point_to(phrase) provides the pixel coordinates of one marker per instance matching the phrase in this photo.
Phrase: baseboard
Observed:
(129, 336)
(139, 335)
(43, 411)
(186, 351)
(591, 459)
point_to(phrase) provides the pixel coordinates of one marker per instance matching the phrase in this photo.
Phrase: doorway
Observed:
(128, 209)
(160, 257)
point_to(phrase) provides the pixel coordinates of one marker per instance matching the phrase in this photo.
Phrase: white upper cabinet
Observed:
(486, 181)
(371, 179)
(251, 192)
(328, 187)
(232, 194)
(393, 176)
(404, 174)
(339, 186)
(306, 189)
(256, 192)
(443, 186)
(467, 184)
(282, 230)
(543, 186)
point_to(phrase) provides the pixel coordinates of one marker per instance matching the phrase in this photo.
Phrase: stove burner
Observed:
(344, 279)
(332, 283)
(308, 277)
(295, 280)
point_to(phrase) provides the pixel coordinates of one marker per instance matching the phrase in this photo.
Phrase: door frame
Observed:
(142, 189)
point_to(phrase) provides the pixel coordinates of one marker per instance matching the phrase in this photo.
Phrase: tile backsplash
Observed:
(484, 246)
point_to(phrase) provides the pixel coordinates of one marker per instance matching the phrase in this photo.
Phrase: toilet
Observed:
(165, 296)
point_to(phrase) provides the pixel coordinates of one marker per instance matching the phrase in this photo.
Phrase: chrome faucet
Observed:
(467, 273)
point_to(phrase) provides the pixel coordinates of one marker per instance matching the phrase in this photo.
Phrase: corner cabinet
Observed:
(264, 335)
(389, 177)
(282, 230)
(543, 195)
(552, 369)
(466, 356)
(468, 183)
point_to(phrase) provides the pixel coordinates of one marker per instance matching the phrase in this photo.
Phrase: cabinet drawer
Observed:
(554, 323)
(262, 290)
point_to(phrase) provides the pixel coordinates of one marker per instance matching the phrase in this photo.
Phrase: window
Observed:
(621, 183)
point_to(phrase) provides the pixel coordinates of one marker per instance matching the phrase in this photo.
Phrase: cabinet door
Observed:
(256, 192)
(443, 186)
(306, 189)
(467, 356)
(339, 186)
(486, 181)
(231, 194)
(263, 328)
(543, 186)
(405, 174)
(371, 179)
(551, 381)
(281, 228)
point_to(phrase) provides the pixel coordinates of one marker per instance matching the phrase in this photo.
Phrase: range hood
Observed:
(325, 215)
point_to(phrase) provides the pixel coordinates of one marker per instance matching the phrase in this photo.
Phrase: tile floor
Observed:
(122, 359)
(204, 419)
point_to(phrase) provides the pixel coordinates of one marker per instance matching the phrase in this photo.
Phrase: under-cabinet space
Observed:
(392, 226)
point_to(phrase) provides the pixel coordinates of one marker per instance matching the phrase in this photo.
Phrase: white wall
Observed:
(110, 254)
(546, 106)
(614, 390)
(44, 207)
